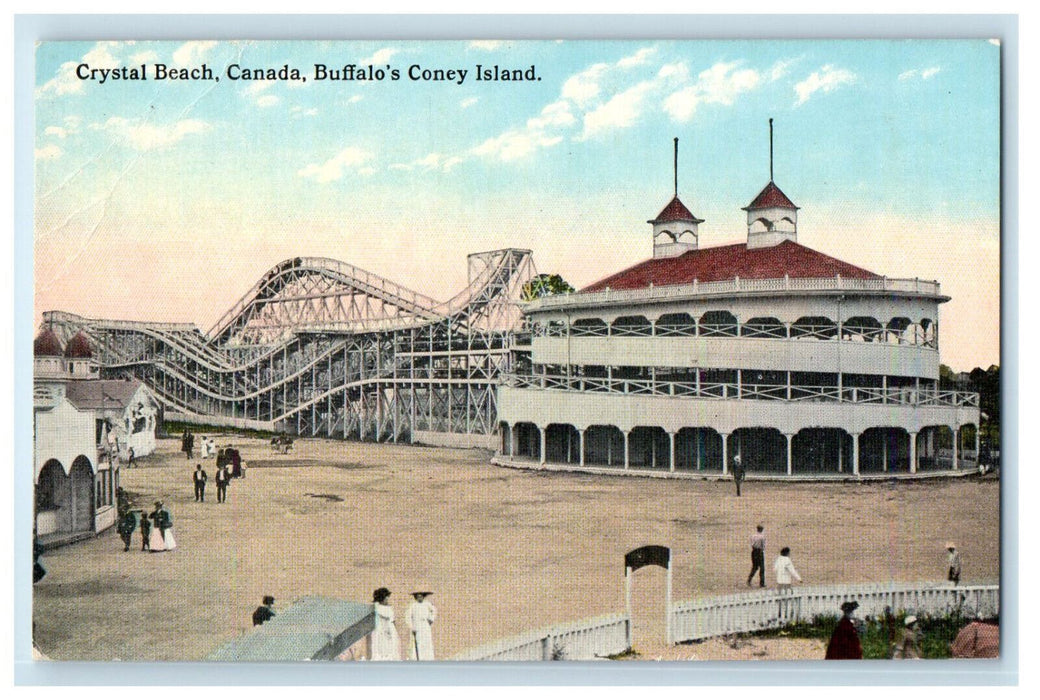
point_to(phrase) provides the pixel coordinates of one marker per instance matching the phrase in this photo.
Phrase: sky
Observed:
(166, 200)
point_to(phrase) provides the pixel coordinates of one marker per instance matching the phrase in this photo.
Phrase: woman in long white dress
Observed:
(386, 644)
(420, 617)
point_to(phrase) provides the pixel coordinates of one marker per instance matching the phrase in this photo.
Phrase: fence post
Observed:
(547, 647)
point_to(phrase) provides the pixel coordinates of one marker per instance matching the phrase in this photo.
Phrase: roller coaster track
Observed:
(320, 347)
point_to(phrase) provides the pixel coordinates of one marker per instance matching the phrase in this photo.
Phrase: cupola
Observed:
(772, 217)
(675, 228)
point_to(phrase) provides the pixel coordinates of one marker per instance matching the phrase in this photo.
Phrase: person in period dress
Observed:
(161, 538)
(199, 478)
(126, 528)
(784, 569)
(953, 564)
(738, 472)
(909, 644)
(420, 617)
(844, 643)
(265, 612)
(222, 479)
(386, 644)
(758, 556)
(146, 532)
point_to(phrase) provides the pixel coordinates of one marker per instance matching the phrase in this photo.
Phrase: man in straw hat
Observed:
(953, 563)
(420, 616)
(265, 612)
(844, 642)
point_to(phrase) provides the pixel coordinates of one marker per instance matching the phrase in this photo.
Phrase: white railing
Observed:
(576, 641)
(906, 396)
(753, 611)
(736, 286)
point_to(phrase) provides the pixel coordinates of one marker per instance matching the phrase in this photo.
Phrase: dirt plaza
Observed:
(505, 551)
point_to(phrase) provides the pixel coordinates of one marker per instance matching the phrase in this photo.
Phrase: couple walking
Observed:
(386, 644)
(783, 567)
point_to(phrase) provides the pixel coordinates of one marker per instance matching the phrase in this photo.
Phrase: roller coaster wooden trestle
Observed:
(322, 348)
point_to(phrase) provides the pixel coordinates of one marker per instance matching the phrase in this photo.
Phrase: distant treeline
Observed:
(987, 383)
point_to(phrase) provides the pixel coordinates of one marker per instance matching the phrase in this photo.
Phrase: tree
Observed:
(545, 285)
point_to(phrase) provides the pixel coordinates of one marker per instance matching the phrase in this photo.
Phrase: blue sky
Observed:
(167, 200)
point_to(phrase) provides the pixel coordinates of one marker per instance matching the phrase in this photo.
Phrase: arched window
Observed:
(718, 323)
(764, 327)
(675, 325)
(897, 330)
(814, 327)
(631, 325)
(862, 328)
(588, 326)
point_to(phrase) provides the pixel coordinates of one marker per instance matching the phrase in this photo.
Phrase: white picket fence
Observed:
(575, 641)
(753, 611)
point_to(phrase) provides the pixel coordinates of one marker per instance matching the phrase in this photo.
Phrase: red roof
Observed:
(47, 344)
(675, 211)
(729, 261)
(79, 347)
(771, 196)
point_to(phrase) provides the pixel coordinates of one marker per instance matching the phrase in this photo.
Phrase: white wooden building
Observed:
(797, 362)
(73, 413)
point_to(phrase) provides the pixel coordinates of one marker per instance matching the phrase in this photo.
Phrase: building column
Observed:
(725, 453)
(841, 453)
(671, 451)
(541, 436)
(855, 454)
(581, 446)
(790, 443)
(884, 453)
(512, 436)
(978, 429)
(626, 432)
(956, 446)
(913, 453)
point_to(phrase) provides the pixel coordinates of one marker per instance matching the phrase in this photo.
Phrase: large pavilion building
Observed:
(795, 361)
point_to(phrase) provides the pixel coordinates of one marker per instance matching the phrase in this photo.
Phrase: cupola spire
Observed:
(772, 217)
(675, 228)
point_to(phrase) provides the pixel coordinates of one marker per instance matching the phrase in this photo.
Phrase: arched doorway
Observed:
(649, 447)
(82, 478)
(562, 444)
(884, 450)
(761, 450)
(52, 493)
(605, 445)
(698, 449)
(821, 451)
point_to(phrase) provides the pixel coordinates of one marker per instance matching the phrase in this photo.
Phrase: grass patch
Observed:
(173, 427)
(878, 636)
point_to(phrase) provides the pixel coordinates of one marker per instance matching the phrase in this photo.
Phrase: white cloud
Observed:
(723, 82)
(336, 166)
(638, 58)
(582, 87)
(827, 79)
(781, 68)
(354, 99)
(380, 56)
(65, 81)
(514, 144)
(192, 52)
(144, 57)
(267, 100)
(48, 152)
(620, 111)
(907, 74)
(469, 102)
(148, 137)
(59, 131)
(298, 111)
(486, 44)
(929, 72)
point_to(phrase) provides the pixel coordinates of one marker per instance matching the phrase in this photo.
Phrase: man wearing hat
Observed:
(908, 646)
(844, 642)
(420, 616)
(265, 612)
(954, 564)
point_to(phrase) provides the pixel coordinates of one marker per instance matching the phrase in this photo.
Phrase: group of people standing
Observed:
(386, 643)
(156, 529)
(199, 479)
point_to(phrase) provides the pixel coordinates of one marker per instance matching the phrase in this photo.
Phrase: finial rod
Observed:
(675, 166)
(770, 149)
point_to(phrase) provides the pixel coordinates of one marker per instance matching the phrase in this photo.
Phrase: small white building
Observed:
(73, 414)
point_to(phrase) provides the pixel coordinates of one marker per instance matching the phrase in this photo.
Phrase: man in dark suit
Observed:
(199, 477)
(222, 481)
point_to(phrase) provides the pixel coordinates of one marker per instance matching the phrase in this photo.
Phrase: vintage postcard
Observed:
(517, 350)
